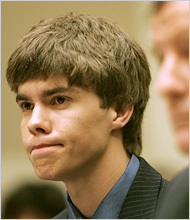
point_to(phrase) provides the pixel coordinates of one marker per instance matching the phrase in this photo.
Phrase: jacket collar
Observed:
(142, 197)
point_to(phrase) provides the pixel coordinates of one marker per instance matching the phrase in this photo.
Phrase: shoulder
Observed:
(157, 181)
(152, 178)
(146, 170)
(62, 215)
(181, 177)
(175, 203)
(180, 184)
(144, 193)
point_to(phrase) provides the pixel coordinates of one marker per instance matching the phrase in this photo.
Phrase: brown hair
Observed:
(92, 52)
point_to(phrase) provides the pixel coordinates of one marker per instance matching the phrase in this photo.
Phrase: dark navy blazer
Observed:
(146, 190)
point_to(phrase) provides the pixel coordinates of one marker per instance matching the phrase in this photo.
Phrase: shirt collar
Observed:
(111, 205)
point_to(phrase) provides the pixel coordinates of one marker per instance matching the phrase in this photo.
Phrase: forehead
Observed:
(42, 84)
(173, 7)
(171, 20)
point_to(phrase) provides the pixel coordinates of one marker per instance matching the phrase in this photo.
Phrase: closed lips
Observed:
(45, 145)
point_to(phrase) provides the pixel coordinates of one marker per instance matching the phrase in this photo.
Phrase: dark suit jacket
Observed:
(175, 204)
(144, 193)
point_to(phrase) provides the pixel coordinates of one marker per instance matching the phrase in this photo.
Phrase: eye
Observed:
(25, 106)
(59, 100)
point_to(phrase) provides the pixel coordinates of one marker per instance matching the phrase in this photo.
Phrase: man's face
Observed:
(65, 132)
(170, 32)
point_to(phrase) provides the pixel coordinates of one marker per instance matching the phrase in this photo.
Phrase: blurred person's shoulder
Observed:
(175, 203)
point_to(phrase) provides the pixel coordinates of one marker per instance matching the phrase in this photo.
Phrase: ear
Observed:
(122, 117)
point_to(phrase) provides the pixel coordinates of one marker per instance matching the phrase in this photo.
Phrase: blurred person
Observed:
(33, 201)
(83, 84)
(170, 33)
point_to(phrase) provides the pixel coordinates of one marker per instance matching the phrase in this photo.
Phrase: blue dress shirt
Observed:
(111, 205)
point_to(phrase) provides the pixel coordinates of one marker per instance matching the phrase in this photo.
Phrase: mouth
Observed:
(36, 147)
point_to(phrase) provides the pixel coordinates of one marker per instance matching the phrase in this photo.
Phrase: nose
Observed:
(170, 81)
(39, 122)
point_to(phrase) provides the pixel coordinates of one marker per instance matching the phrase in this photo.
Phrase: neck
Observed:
(88, 191)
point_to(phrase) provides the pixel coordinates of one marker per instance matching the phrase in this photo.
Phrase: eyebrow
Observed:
(46, 93)
(20, 97)
(56, 90)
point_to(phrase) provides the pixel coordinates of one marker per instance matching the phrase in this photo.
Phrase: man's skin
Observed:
(69, 137)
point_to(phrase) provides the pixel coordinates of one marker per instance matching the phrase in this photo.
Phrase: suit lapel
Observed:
(142, 197)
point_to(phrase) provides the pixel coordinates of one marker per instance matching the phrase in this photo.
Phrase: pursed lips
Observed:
(44, 145)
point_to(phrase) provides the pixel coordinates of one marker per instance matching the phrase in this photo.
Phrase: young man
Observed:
(83, 84)
(170, 32)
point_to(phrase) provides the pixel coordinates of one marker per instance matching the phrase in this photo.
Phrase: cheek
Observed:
(83, 129)
(24, 134)
(23, 129)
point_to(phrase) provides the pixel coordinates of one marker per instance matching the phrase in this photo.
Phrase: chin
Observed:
(44, 176)
(45, 173)
(49, 174)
